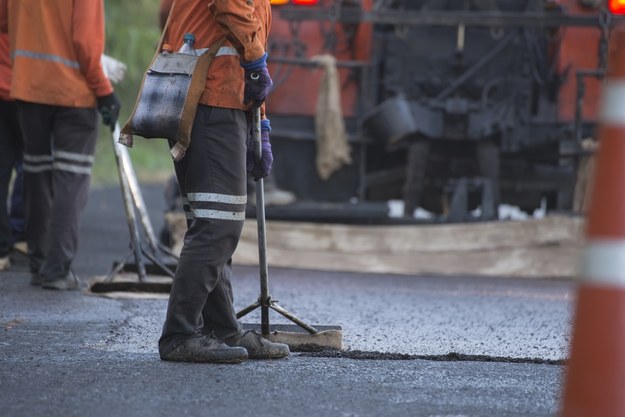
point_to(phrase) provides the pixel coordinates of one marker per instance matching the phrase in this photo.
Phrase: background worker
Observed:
(60, 86)
(201, 323)
(10, 159)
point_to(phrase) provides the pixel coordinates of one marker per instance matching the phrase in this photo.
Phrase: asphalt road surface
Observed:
(417, 346)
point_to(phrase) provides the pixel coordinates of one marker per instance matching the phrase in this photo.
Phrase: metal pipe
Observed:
(248, 309)
(310, 329)
(265, 299)
(141, 208)
(135, 239)
(137, 196)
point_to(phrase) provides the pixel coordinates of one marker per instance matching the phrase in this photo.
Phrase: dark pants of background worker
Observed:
(59, 144)
(212, 180)
(10, 157)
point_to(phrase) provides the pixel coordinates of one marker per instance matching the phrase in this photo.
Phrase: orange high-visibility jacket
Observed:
(244, 23)
(5, 68)
(56, 47)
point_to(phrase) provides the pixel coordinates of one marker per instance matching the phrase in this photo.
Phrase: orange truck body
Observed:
(552, 66)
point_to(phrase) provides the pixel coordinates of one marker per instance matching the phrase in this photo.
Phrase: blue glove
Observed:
(258, 82)
(260, 169)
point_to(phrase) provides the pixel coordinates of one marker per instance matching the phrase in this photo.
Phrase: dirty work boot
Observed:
(257, 347)
(68, 283)
(205, 349)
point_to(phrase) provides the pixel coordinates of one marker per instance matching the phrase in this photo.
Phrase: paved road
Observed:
(418, 346)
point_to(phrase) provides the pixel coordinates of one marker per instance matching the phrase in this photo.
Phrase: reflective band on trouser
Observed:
(36, 168)
(604, 262)
(73, 168)
(73, 156)
(218, 214)
(197, 199)
(76, 163)
(38, 158)
(217, 198)
(47, 57)
(37, 163)
(612, 110)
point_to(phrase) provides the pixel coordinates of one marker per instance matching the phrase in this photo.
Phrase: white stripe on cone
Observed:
(604, 262)
(612, 110)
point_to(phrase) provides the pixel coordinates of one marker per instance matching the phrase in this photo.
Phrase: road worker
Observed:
(201, 323)
(59, 85)
(10, 160)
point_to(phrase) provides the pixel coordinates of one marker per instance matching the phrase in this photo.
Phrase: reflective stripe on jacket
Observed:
(56, 47)
(244, 23)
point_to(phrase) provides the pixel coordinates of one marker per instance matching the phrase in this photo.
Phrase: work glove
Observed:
(258, 82)
(262, 168)
(109, 106)
(114, 69)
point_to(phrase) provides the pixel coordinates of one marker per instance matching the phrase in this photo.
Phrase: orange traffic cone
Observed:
(595, 378)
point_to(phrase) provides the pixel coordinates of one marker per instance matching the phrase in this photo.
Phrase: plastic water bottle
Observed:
(187, 46)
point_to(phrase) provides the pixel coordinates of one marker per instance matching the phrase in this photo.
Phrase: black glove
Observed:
(109, 106)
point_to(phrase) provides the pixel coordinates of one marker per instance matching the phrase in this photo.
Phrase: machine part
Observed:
(155, 251)
(320, 339)
(459, 208)
(416, 165)
(391, 121)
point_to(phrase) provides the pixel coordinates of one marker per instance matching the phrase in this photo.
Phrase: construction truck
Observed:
(448, 107)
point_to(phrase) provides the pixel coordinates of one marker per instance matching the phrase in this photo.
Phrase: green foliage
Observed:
(132, 34)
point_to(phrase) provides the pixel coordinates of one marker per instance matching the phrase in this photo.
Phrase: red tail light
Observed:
(295, 2)
(617, 6)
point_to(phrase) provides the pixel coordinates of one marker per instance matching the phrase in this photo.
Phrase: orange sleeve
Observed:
(4, 16)
(236, 17)
(88, 38)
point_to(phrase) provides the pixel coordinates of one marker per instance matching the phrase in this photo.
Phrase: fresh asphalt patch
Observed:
(450, 357)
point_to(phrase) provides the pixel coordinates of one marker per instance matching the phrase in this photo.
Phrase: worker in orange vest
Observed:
(60, 86)
(201, 323)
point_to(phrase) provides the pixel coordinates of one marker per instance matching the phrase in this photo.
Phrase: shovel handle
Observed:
(256, 137)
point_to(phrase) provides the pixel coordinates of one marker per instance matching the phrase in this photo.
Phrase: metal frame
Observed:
(134, 205)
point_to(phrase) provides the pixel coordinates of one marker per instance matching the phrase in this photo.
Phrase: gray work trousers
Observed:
(59, 144)
(212, 181)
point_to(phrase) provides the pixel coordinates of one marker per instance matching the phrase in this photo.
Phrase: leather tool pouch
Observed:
(168, 98)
